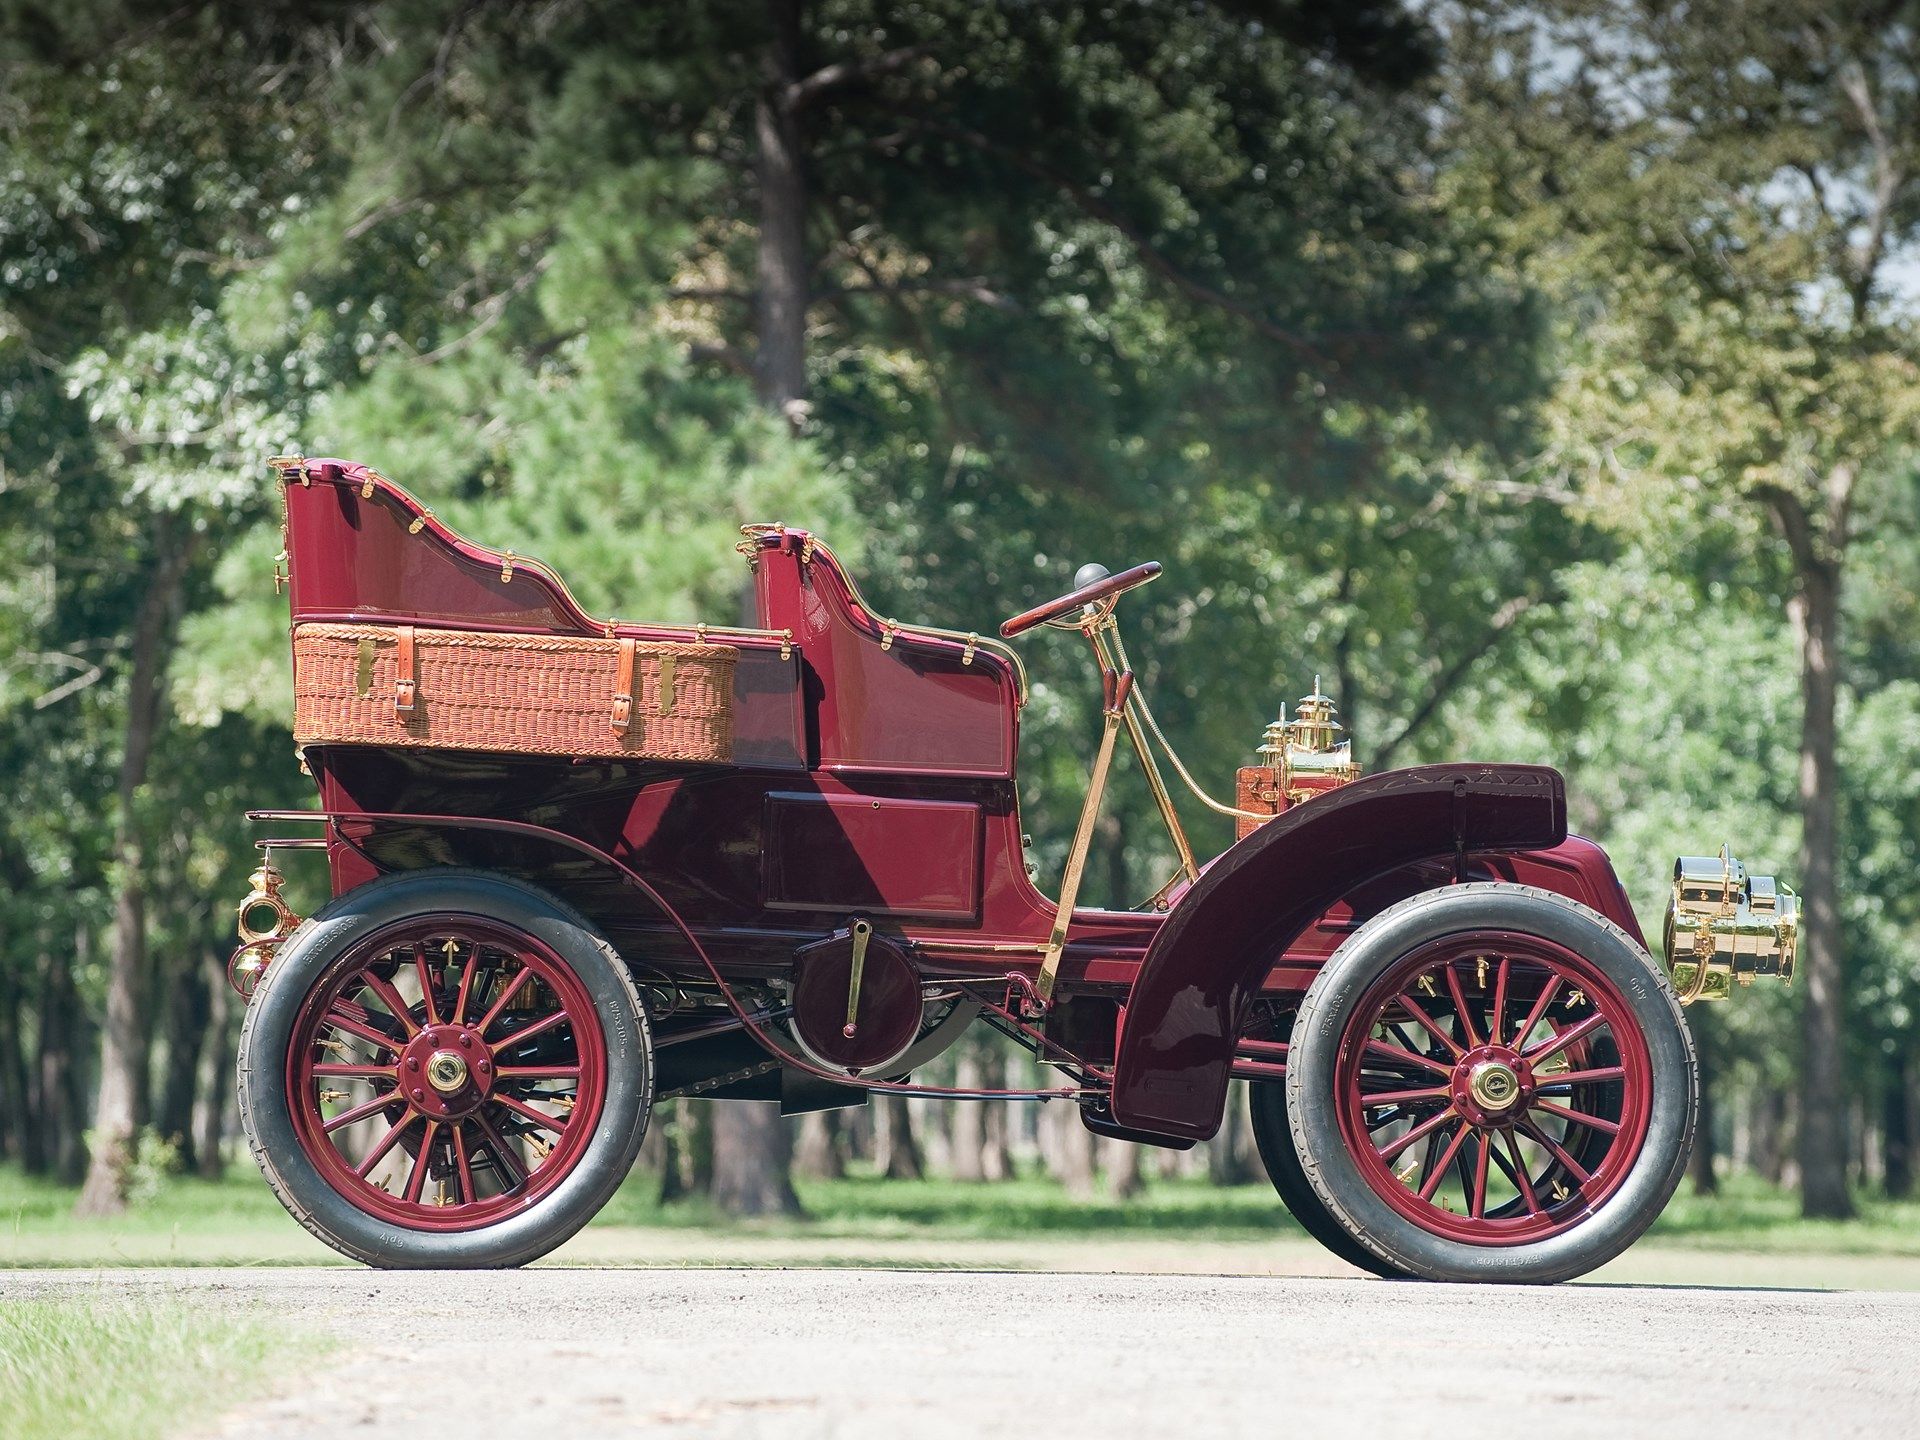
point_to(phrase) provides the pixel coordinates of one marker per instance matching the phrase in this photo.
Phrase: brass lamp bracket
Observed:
(263, 920)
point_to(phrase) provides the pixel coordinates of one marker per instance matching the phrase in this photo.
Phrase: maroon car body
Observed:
(868, 822)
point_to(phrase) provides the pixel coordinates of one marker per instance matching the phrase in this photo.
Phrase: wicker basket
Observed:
(521, 694)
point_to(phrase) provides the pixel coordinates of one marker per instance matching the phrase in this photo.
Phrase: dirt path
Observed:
(572, 1354)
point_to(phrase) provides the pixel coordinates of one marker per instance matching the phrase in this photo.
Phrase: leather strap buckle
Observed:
(406, 685)
(623, 690)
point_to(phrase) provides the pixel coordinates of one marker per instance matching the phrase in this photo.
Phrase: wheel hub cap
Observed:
(1494, 1085)
(446, 1072)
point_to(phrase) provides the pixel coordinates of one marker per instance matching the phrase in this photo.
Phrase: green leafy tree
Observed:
(1718, 192)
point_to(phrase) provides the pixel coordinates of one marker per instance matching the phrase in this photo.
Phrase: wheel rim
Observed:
(1494, 1088)
(446, 1073)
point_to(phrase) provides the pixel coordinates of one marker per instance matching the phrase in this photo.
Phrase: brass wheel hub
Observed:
(446, 1072)
(1494, 1085)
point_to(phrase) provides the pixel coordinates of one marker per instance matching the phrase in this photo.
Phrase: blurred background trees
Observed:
(1538, 375)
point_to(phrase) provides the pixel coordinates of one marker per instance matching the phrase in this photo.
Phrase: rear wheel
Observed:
(1273, 1137)
(445, 1068)
(1492, 1082)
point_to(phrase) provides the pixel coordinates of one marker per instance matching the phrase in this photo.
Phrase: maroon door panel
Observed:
(882, 856)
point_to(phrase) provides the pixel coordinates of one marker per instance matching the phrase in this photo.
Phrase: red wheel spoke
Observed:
(463, 1168)
(1592, 1122)
(426, 980)
(1408, 1003)
(539, 1117)
(1519, 1173)
(1460, 1008)
(503, 1157)
(527, 1032)
(387, 1142)
(1419, 1132)
(1477, 1199)
(365, 1032)
(1534, 1016)
(1564, 1038)
(390, 997)
(1437, 1172)
(417, 1178)
(1499, 999)
(520, 977)
(1394, 1052)
(366, 1039)
(466, 984)
(1555, 1149)
(1582, 1077)
(1389, 1097)
(360, 1112)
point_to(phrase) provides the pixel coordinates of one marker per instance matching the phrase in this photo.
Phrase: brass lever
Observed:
(862, 932)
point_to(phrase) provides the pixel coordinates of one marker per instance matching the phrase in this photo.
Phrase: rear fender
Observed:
(1215, 950)
(1576, 868)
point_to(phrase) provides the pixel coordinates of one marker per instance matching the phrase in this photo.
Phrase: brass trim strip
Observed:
(1082, 837)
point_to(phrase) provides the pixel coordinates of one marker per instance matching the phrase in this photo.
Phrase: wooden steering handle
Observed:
(1085, 595)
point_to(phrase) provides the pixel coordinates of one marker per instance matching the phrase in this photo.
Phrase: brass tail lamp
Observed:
(1726, 926)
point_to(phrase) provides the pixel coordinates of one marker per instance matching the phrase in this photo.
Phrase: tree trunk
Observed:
(817, 1155)
(1815, 612)
(123, 1051)
(969, 1119)
(1074, 1160)
(752, 1153)
(1706, 1180)
(184, 1032)
(61, 1084)
(1769, 1136)
(1229, 1152)
(896, 1152)
(15, 1110)
(210, 1093)
(780, 298)
(1896, 1122)
(1124, 1179)
(996, 1152)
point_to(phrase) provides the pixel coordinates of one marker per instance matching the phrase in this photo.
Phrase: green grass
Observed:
(124, 1370)
(236, 1221)
(1749, 1215)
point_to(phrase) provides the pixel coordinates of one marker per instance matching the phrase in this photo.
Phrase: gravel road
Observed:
(574, 1354)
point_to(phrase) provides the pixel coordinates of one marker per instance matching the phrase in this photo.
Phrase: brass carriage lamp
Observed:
(1297, 760)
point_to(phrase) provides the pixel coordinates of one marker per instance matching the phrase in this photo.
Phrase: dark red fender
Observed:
(1185, 1009)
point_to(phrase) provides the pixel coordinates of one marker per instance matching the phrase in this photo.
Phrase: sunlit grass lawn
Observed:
(237, 1221)
(119, 1369)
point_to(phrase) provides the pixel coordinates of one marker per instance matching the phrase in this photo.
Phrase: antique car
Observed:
(583, 865)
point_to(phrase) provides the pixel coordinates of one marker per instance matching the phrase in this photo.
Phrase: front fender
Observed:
(1213, 953)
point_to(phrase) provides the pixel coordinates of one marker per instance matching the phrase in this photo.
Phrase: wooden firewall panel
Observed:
(877, 855)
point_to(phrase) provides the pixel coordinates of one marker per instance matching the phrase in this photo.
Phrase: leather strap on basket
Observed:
(406, 685)
(623, 690)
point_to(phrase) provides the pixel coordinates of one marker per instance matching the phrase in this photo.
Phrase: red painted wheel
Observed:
(1501, 1092)
(1492, 1082)
(445, 1069)
(446, 1072)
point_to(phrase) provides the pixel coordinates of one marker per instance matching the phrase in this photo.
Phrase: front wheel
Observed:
(1491, 1082)
(445, 1069)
